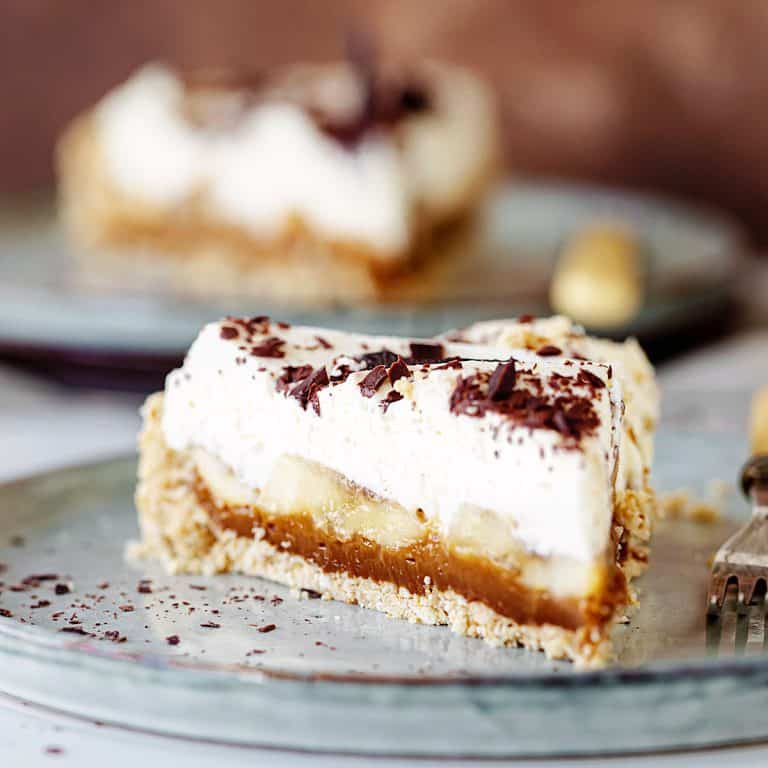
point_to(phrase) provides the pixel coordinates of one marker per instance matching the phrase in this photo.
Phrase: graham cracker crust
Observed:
(179, 530)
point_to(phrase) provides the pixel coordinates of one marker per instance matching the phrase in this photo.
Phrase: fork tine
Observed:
(717, 587)
(730, 620)
(748, 585)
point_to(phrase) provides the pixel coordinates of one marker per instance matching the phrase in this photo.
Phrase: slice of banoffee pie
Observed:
(490, 487)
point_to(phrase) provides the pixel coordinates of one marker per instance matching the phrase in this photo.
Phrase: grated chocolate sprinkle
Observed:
(549, 350)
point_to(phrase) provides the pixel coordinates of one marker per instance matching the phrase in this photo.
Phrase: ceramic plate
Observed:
(88, 633)
(47, 303)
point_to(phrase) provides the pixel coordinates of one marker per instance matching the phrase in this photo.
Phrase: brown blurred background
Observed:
(664, 94)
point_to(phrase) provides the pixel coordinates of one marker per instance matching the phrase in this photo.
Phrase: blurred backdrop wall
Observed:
(664, 94)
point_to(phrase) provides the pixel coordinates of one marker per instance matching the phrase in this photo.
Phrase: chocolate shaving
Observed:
(398, 370)
(340, 374)
(587, 378)
(451, 363)
(228, 332)
(383, 104)
(323, 342)
(210, 625)
(5, 613)
(291, 374)
(61, 589)
(392, 397)
(569, 414)
(271, 347)
(267, 628)
(172, 640)
(549, 350)
(426, 353)
(502, 381)
(373, 381)
(308, 390)
(371, 360)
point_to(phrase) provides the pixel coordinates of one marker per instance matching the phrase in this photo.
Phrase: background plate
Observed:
(53, 315)
(334, 677)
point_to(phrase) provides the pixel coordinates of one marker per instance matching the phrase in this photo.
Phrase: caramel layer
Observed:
(422, 565)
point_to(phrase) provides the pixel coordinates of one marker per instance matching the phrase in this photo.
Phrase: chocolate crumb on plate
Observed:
(210, 625)
(267, 628)
(173, 639)
(75, 631)
(549, 350)
(61, 589)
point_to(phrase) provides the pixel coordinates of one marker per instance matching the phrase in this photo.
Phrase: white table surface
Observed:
(42, 426)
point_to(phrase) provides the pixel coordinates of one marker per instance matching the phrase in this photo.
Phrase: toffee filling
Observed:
(420, 566)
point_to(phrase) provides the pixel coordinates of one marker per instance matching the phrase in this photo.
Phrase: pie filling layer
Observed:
(313, 512)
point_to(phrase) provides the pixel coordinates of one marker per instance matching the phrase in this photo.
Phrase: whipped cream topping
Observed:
(410, 436)
(275, 163)
(632, 368)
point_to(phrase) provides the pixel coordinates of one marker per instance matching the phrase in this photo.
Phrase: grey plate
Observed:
(336, 677)
(45, 302)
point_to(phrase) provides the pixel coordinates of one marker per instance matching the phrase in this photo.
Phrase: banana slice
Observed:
(598, 280)
(758, 423)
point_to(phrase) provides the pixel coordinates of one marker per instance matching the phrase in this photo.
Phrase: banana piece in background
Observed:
(600, 275)
(758, 422)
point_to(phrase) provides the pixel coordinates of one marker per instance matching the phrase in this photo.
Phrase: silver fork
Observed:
(743, 559)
